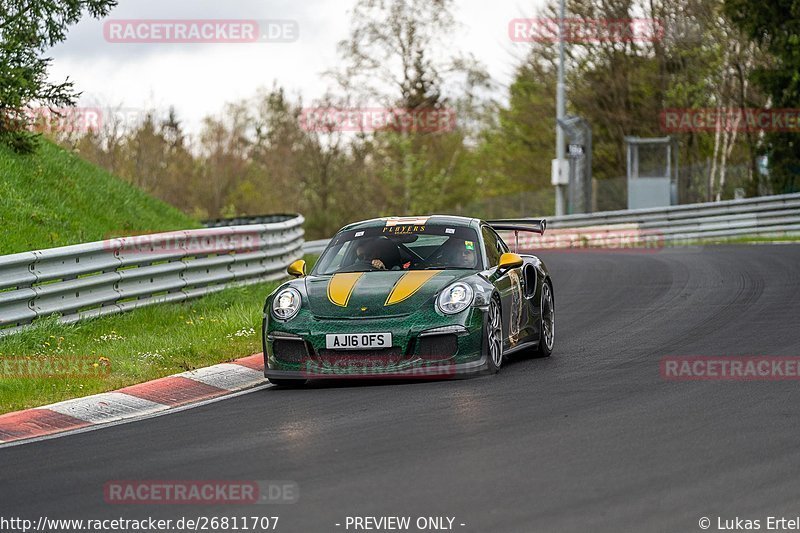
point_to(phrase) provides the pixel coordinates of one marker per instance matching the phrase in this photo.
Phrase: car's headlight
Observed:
(455, 298)
(286, 304)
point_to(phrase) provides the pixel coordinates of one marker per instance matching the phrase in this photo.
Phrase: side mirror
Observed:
(297, 269)
(509, 260)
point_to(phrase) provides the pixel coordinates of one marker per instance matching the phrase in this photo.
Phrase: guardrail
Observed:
(247, 220)
(315, 247)
(116, 275)
(767, 216)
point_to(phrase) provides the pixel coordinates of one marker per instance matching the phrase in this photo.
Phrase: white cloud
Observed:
(199, 78)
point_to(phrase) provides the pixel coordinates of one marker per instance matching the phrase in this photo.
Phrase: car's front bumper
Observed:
(440, 371)
(404, 360)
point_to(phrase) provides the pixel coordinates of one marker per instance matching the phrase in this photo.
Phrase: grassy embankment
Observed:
(54, 198)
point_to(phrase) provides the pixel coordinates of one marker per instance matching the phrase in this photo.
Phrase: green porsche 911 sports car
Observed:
(432, 296)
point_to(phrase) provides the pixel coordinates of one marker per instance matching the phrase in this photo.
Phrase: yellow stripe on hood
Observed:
(407, 285)
(340, 287)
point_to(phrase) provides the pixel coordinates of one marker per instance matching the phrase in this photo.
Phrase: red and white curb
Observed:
(134, 401)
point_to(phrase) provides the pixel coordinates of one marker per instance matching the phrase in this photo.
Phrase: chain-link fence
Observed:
(694, 186)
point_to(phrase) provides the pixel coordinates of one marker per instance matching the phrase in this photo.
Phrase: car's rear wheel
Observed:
(494, 337)
(287, 383)
(547, 322)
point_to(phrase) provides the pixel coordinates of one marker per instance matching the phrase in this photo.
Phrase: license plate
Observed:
(358, 341)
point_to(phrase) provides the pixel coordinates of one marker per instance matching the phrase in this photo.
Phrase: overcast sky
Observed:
(199, 78)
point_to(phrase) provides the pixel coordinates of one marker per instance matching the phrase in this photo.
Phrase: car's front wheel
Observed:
(494, 337)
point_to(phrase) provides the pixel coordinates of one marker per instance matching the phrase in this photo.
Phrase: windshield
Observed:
(412, 247)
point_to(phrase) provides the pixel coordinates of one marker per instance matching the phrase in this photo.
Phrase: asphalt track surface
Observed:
(592, 439)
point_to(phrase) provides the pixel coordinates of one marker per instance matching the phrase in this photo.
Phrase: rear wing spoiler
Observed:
(533, 225)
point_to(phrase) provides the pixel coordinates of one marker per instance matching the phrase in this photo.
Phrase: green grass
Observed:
(138, 346)
(141, 345)
(54, 198)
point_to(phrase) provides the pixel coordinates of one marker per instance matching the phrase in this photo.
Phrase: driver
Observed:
(366, 254)
(463, 255)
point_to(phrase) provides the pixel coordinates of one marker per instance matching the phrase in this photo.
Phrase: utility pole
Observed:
(560, 174)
